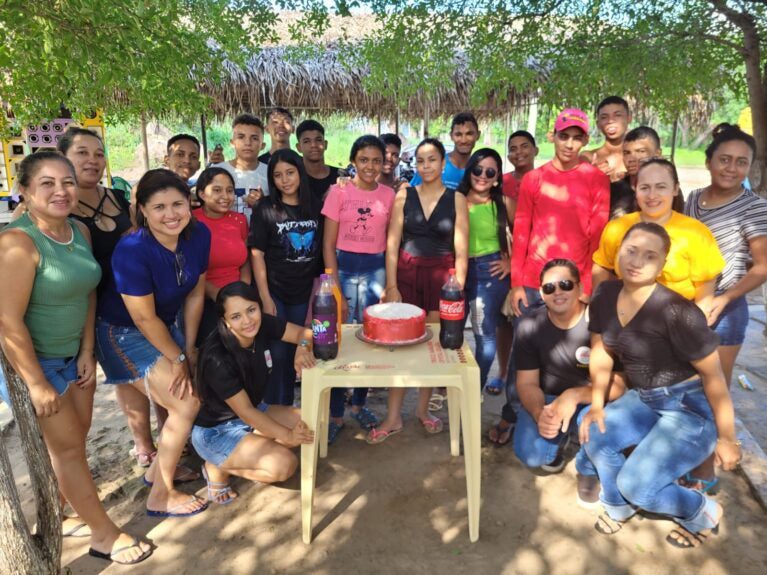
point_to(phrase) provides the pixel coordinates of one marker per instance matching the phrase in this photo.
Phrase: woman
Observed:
(738, 220)
(233, 433)
(679, 410)
(285, 251)
(354, 247)
(47, 315)
(158, 270)
(428, 235)
(229, 261)
(694, 261)
(486, 290)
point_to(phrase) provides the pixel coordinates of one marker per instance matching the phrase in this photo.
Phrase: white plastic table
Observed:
(361, 364)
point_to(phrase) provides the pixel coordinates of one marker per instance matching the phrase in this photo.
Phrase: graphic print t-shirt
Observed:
(292, 247)
(362, 217)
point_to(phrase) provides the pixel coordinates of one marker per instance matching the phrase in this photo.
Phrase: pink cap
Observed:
(570, 117)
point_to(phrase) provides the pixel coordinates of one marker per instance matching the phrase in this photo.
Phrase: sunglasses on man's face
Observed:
(490, 173)
(551, 287)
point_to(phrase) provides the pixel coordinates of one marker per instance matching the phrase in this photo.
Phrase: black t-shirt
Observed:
(622, 198)
(320, 187)
(561, 355)
(265, 157)
(292, 247)
(658, 344)
(221, 378)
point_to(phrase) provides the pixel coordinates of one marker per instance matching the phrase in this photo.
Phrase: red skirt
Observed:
(420, 278)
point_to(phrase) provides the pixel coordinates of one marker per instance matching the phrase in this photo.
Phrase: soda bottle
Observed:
(325, 321)
(337, 295)
(451, 313)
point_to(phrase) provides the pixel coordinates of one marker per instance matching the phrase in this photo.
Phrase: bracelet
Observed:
(736, 442)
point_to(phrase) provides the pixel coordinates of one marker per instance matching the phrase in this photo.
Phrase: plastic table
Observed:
(361, 364)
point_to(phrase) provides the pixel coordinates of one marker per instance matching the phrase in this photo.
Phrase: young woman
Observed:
(285, 250)
(158, 270)
(234, 432)
(694, 261)
(679, 410)
(486, 288)
(229, 261)
(738, 219)
(428, 234)
(49, 278)
(354, 247)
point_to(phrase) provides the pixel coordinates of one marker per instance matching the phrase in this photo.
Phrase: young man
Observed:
(613, 119)
(563, 207)
(639, 144)
(312, 146)
(522, 153)
(464, 131)
(249, 174)
(388, 177)
(183, 156)
(279, 126)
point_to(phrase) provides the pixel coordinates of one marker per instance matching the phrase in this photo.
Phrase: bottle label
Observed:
(324, 330)
(451, 309)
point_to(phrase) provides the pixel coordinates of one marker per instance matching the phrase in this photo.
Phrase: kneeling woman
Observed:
(679, 410)
(235, 433)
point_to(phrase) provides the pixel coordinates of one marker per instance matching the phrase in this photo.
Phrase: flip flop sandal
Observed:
(495, 386)
(432, 426)
(75, 531)
(436, 402)
(376, 436)
(111, 556)
(217, 490)
(172, 511)
(143, 458)
(366, 418)
(333, 430)
(606, 525)
(501, 431)
(710, 486)
(688, 539)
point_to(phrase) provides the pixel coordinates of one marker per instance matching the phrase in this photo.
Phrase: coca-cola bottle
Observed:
(324, 321)
(451, 313)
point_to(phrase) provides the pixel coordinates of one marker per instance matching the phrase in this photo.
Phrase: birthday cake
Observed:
(393, 322)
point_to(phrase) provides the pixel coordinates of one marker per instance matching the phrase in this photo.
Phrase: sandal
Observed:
(79, 529)
(376, 436)
(366, 418)
(111, 556)
(495, 386)
(502, 434)
(333, 430)
(172, 511)
(217, 491)
(683, 539)
(432, 425)
(143, 458)
(436, 402)
(710, 486)
(606, 525)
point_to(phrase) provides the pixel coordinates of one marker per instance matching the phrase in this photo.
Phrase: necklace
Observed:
(68, 244)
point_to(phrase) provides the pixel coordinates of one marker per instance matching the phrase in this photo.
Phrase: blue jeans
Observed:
(60, 373)
(508, 413)
(533, 450)
(732, 322)
(673, 430)
(280, 387)
(485, 295)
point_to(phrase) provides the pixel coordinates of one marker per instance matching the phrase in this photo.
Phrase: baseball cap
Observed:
(570, 117)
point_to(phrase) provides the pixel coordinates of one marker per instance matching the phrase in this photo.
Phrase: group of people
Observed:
(628, 308)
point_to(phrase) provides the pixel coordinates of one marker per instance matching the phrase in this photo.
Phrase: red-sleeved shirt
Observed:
(559, 215)
(510, 186)
(228, 249)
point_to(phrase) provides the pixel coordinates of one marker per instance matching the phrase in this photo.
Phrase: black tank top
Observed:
(432, 237)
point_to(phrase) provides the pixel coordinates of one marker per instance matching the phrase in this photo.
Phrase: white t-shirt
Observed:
(244, 181)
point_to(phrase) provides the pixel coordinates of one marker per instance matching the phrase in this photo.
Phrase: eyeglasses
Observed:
(181, 274)
(551, 287)
(489, 172)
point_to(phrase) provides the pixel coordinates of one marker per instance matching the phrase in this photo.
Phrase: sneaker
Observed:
(588, 491)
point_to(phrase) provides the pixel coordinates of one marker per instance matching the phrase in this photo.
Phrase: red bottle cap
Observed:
(451, 271)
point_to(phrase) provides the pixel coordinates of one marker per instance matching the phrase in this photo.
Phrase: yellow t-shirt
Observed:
(694, 257)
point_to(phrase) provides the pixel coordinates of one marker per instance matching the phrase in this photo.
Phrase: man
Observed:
(183, 156)
(563, 207)
(551, 352)
(250, 175)
(389, 177)
(613, 118)
(312, 146)
(522, 153)
(639, 144)
(464, 131)
(279, 126)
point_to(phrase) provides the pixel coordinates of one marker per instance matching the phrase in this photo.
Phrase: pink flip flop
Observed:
(379, 435)
(432, 425)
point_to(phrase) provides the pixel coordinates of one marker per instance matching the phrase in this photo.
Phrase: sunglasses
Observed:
(551, 287)
(181, 275)
(489, 172)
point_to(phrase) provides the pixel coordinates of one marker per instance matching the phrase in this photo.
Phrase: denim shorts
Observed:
(59, 371)
(215, 444)
(732, 323)
(125, 354)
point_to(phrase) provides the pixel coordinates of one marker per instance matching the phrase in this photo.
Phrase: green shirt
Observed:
(483, 230)
(58, 305)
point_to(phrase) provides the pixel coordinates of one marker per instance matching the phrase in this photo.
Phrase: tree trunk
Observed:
(756, 79)
(21, 552)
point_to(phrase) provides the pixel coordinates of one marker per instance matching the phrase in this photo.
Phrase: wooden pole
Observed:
(673, 138)
(507, 132)
(396, 122)
(145, 142)
(204, 140)
(426, 120)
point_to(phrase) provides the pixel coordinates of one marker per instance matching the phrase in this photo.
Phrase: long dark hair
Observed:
(496, 191)
(222, 346)
(678, 202)
(155, 181)
(306, 201)
(206, 177)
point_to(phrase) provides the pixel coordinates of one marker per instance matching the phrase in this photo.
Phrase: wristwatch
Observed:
(180, 359)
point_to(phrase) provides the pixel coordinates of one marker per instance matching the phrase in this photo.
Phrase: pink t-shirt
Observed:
(228, 250)
(362, 216)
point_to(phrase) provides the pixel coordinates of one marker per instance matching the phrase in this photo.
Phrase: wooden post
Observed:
(204, 140)
(673, 138)
(396, 122)
(379, 124)
(506, 134)
(145, 142)
(426, 120)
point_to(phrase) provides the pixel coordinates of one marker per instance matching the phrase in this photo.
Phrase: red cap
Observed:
(572, 117)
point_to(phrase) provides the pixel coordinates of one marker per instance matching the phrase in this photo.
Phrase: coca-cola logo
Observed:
(450, 309)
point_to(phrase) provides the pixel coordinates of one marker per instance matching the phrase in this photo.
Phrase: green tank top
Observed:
(58, 305)
(483, 230)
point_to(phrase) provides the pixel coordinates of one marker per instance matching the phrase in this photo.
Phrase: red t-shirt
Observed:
(559, 215)
(510, 186)
(228, 250)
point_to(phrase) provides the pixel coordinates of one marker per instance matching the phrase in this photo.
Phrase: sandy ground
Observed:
(399, 507)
